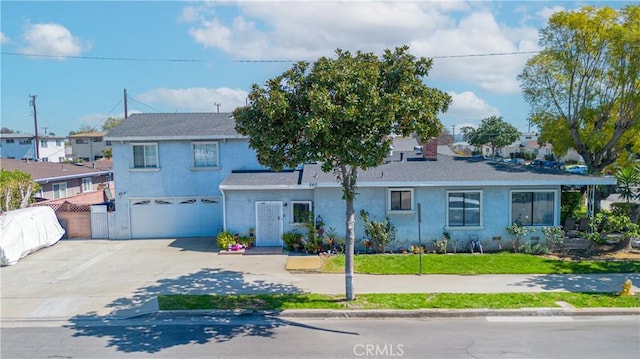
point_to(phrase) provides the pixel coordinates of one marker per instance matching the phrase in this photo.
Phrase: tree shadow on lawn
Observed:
(146, 334)
(587, 283)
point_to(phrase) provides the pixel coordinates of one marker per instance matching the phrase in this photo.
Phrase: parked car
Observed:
(579, 169)
(547, 164)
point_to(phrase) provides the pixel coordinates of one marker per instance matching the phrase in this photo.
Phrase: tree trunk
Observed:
(349, 250)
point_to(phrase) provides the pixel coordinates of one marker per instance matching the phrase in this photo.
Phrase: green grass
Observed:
(395, 301)
(467, 264)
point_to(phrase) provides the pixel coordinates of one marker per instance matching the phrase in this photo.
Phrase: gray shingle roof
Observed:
(453, 171)
(158, 126)
(43, 171)
(284, 179)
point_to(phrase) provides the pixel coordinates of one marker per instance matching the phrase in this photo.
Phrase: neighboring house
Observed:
(59, 180)
(182, 175)
(23, 146)
(168, 169)
(527, 143)
(88, 146)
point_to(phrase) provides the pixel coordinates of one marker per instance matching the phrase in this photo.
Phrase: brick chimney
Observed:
(430, 150)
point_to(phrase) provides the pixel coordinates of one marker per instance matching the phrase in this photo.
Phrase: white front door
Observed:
(269, 224)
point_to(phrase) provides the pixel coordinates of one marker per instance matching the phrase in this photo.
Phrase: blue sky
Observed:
(77, 57)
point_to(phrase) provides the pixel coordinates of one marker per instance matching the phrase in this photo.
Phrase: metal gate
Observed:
(269, 224)
(99, 221)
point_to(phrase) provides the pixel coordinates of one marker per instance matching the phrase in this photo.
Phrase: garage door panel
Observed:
(175, 217)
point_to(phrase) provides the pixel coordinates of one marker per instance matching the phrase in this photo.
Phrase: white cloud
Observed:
(196, 99)
(468, 107)
(307, 30)
(4, 39)
(52, 40)
(546, 12)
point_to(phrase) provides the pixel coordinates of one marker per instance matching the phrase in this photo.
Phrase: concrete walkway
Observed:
(92, 279)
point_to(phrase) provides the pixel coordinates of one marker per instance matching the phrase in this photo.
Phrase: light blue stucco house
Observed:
(180, 175)
(167, 173)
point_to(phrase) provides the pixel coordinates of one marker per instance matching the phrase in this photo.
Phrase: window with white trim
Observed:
(44, 143)
(59, 190)
(464, 208)
(86, 184)
(145, 155)
(205, 154)
(301, 211)
(400, 199)
(533, 208)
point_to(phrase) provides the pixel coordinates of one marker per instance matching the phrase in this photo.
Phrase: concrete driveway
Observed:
(98, 278)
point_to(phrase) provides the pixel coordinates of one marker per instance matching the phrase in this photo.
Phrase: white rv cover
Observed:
(26, 230)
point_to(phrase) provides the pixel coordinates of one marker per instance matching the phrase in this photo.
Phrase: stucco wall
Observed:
(174, 178)
(495, 215)
(241, 207)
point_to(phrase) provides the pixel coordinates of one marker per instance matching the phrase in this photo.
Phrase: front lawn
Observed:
(405, 301)
(468, 264)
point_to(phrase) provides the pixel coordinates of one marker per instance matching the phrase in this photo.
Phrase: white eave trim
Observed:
(63, 178)
(174, 138)
(603, 181)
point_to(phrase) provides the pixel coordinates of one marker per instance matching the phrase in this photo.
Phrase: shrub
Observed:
(518, 232)
(442, 243)
(380, 234)
(225, 239)
(554, 238)
(291, 240)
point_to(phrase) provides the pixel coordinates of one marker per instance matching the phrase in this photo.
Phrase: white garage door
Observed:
(175, 217)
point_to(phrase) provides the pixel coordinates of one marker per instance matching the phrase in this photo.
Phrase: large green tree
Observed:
(16, 189)
(493, 131)
(584, 86)
(342, 112)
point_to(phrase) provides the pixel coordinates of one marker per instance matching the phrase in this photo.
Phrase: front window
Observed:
(205, 154)
(86, 184)
(464, 209)
(401, 199)
(535, 208)
(302, 212)
(82, 141)
(145, 155)
(59, 190)
(58, 143)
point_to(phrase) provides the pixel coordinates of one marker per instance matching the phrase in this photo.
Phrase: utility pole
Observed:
(35, 121)
(453, 132)
(125, 104)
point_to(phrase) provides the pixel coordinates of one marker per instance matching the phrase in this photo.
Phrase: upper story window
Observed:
(301, 211)
(400, 199)
(464, 208)
(8, 140)
(145, 155)
(58, 143)
(25, 142)
(533, 208)
(205, 154)
(44, 143)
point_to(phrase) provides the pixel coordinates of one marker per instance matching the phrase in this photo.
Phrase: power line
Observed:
(432, 57)
(144, 104)
(100, 57)
(141, 59)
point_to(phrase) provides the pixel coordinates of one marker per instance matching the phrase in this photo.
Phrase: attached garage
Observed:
(175, 217)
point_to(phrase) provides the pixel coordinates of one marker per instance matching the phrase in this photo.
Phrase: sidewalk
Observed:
(97, 279)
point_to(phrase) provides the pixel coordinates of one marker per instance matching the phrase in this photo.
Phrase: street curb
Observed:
(381, 313)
